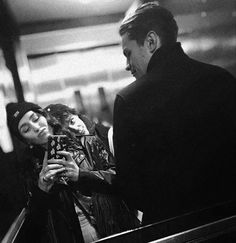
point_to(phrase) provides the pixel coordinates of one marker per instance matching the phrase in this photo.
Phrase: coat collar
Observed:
(164, 55)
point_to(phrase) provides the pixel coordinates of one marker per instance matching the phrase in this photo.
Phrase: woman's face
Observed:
(77, 125)
(34, 128)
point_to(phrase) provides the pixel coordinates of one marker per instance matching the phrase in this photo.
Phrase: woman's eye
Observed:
(25, 130)
(35, 118)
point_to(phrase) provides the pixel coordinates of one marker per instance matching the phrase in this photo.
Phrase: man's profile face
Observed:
(137, 56)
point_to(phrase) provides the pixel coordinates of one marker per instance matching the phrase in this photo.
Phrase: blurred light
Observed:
(207, 43)
(95, 1)
(5, 138)
(203, 14)
(71, 65)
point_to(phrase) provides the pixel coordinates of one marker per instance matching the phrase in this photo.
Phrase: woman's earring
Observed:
(31, 146)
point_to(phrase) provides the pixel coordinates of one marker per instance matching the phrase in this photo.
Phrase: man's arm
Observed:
(129, 179)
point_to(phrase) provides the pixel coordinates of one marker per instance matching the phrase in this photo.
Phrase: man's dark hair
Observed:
(147, 17)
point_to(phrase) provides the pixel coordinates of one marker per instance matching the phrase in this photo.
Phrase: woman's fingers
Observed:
(51, 174)
(61, 167)
(45, 159)
(50, 167)
(67, 155)
(57, 161)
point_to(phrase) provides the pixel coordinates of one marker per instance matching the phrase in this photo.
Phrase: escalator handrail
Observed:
(205, 232)
(15, 227)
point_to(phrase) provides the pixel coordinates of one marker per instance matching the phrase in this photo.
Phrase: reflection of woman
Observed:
(57, 211)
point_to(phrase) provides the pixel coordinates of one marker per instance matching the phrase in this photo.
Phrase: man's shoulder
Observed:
(127, 90)
(211, 69)
(133, 88)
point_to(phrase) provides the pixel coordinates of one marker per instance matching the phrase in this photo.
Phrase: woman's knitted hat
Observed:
(15, 111)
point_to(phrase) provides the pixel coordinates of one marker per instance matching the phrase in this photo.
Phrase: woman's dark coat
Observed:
(51, 216)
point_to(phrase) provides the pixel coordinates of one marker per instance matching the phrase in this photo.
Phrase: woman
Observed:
(79, 126)
(57, 211)
(111, 213)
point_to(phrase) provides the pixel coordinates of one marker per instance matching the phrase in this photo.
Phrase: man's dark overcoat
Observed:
(175, 136)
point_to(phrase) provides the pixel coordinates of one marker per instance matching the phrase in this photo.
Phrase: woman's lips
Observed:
(42, 132)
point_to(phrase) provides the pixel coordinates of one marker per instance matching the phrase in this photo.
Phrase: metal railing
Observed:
(15, 228)
(216, 222)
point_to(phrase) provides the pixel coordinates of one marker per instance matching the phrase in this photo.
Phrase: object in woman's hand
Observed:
(57, 143)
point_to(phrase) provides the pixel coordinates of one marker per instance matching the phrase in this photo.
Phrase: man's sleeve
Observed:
(121, 134)
(129, 171)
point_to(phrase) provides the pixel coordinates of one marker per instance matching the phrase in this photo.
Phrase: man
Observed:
(175, 126)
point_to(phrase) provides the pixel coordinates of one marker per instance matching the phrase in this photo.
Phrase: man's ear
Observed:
(152, 41)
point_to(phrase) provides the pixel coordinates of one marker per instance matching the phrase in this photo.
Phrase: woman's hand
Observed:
(48, 174)
(71, 168)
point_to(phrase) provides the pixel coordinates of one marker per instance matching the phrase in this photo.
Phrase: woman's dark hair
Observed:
(57, 117)
(58, 114)
(147, 17)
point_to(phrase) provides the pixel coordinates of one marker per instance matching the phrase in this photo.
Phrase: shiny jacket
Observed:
(52, 216)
